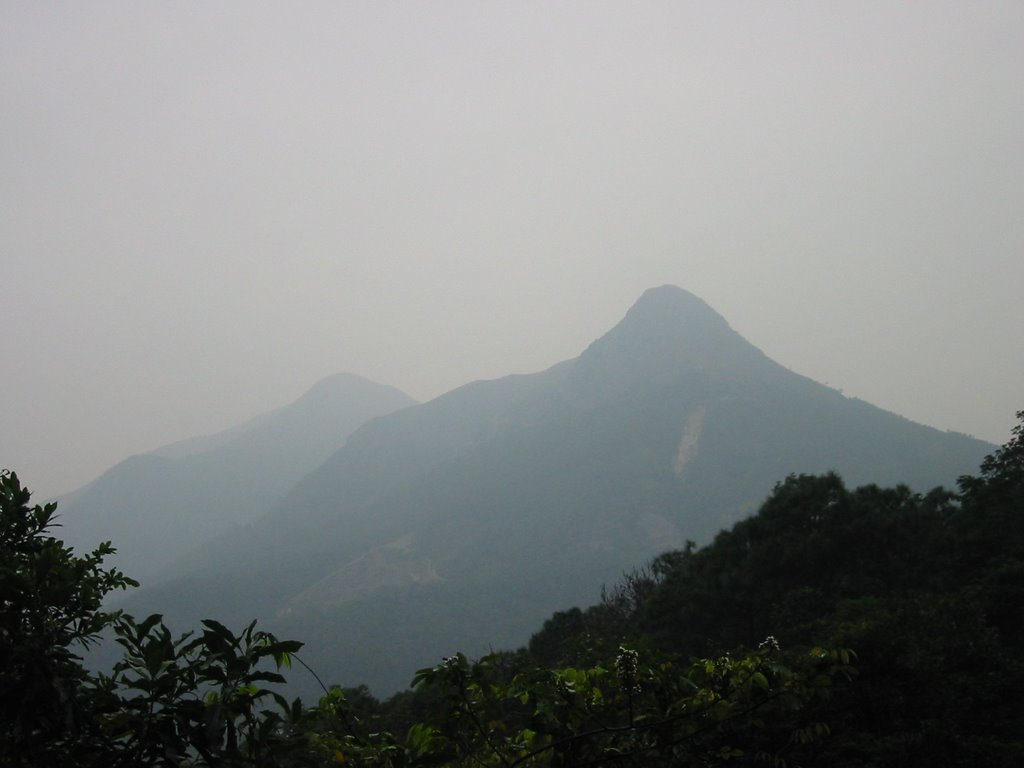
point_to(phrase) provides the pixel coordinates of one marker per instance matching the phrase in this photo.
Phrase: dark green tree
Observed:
(167, 702)
(50, 610)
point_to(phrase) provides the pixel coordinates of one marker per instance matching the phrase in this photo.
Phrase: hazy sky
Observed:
(207, 206)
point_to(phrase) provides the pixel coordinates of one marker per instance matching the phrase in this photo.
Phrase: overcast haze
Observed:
(206, 207)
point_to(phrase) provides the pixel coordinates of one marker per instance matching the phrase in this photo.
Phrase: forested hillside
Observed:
(836, 627)
(927, 589)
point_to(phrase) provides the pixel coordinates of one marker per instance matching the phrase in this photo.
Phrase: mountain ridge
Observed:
(525, 493)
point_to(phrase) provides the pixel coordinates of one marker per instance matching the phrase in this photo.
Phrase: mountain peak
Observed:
(350, 384)
(669, 306)
(667, 332)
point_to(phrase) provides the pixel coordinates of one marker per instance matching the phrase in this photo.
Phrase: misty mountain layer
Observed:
(157, 506)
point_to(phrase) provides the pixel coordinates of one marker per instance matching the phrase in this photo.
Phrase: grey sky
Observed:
(205, 207)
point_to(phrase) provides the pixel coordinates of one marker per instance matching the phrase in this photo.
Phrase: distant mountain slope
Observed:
(462, 523)
(157, 506)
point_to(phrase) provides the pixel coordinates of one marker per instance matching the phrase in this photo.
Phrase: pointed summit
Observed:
(676, 321)
(672, 304)
(669, 332)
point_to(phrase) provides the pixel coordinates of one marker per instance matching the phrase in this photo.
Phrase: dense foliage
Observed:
(50, 606)
(716, 656)
(928, 589)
